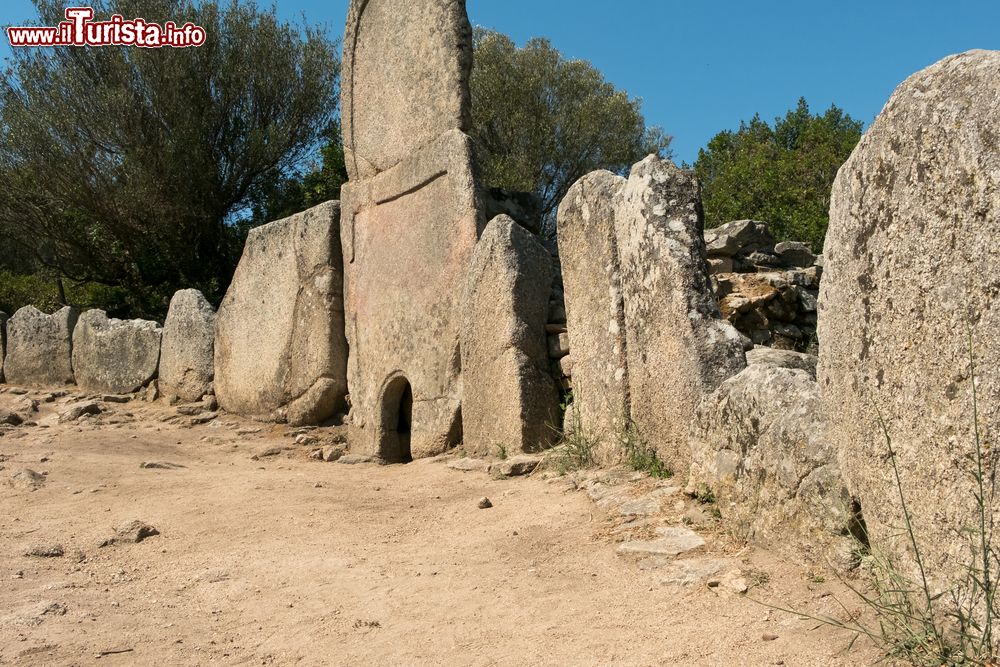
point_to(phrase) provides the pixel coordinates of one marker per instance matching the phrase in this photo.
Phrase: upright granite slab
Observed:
(412, 215)
(646, 334)
(679, 348)
(909, 312)
(187, 364)
(40, 347)
(405, 79)
(595, 310)
(510, 402)
(408, 237)
(114, 356)
(3, 341)
(280, 351)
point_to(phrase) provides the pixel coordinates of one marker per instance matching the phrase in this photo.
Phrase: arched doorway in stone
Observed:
(396, 421)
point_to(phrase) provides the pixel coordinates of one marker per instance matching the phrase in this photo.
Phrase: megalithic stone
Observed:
(510, 402)
(412, 214)
(909, 310)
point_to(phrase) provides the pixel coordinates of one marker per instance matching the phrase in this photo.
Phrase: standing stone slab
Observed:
(912, 258)
(595, 312)
(280, 328)
(3, 341)
(759, 444)
(510, 399)
(114, 356)
(412, 215)
(679, 350)
(40, 347)
(187, 363)
(408, 238)
(406, 79)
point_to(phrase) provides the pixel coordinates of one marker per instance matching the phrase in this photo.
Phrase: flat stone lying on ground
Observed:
(114, 356)
(672, 541)
(468, 464)
(74, 412)
(40, 347)
(187, 362)
(516, 466)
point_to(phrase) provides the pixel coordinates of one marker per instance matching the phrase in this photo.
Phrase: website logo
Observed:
(80, 30)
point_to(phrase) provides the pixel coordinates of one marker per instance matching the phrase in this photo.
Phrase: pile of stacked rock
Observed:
(558, 334)
(767, 290)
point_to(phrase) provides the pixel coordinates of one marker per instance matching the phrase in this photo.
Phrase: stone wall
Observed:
(767, 290)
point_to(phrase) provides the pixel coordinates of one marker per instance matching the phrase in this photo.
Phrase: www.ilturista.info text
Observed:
(79, 30)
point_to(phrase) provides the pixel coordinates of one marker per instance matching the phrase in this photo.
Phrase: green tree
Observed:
(127, 167)
(288, 194)
(781, 174)
(542, 121)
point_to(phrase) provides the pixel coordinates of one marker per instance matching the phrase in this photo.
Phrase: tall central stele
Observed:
(411, 219)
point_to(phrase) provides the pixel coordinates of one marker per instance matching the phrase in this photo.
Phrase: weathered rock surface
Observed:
(645, 331)
(794, 254)
(516, 466)
(694, 571)
(280, 328)
(783, 359)
(74, 412)
(408, 237)
(10, 418)
(405, 81)
(595, 312)
(187, 363)
(672, 541)
(509, 397)
(759, 443)
(776, 308)
(909, 299)
(3, 341)
(131, 532)
(468, 464)
(40, 347)
(678, 347)
(26, 480)
(114, 356)
(768, 291)
(739, 238)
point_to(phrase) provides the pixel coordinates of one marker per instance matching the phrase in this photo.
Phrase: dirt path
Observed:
(288, 560)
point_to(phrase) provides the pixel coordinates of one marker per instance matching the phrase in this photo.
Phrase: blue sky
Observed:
(702, 66)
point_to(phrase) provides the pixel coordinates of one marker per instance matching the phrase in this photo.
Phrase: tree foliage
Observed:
(781, 174)
(542, 121)
(127, 167)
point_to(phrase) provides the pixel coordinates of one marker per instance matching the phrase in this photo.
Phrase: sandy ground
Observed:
(289, 560)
